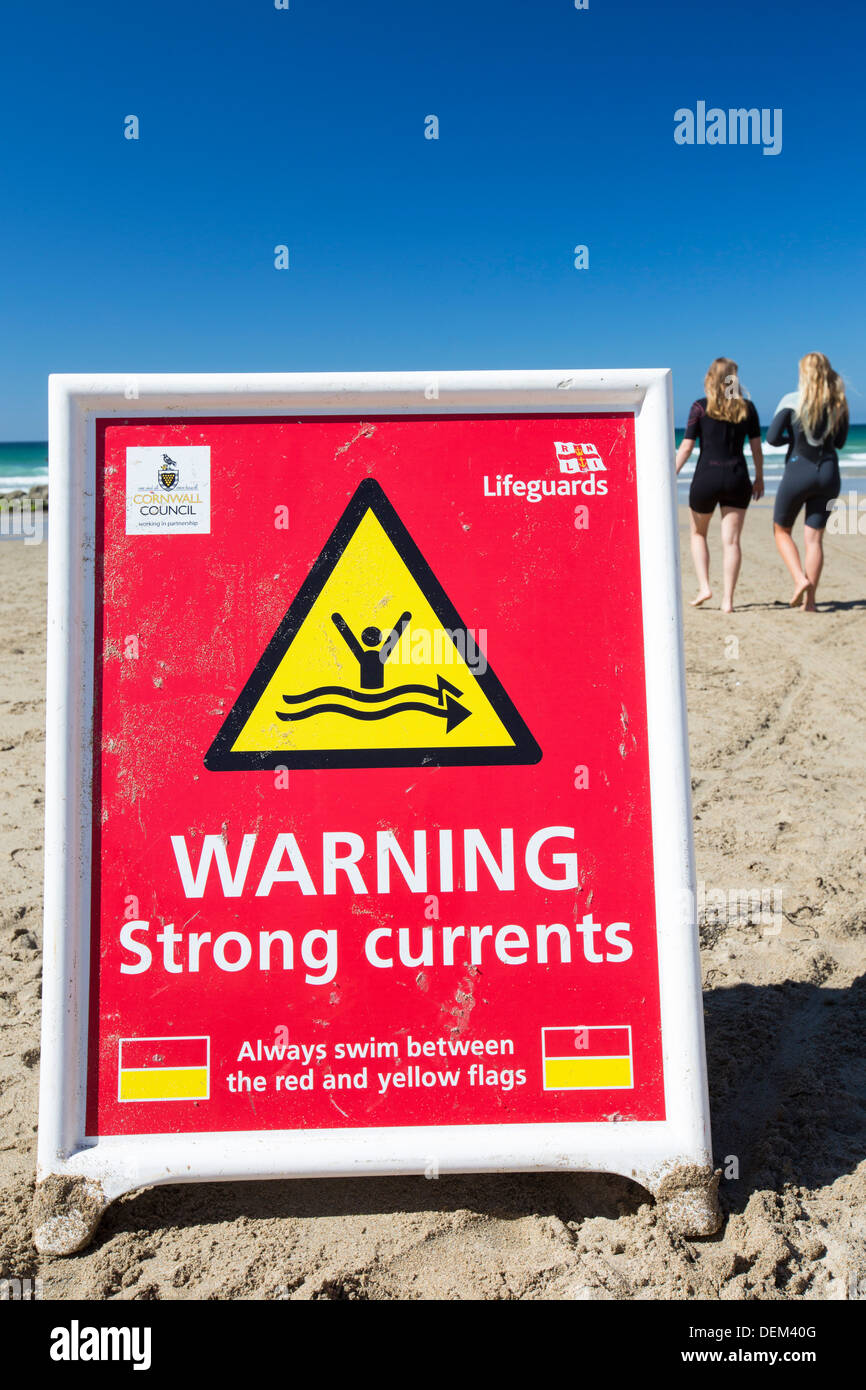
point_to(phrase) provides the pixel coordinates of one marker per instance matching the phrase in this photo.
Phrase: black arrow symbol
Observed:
(453, 713)
(437, 692)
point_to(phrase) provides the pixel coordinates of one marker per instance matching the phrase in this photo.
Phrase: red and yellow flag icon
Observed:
(164, 1069)
(587, 1058)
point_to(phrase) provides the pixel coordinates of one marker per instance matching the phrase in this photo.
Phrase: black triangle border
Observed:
(369, 495)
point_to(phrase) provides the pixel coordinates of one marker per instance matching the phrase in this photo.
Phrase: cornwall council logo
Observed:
(168, 473)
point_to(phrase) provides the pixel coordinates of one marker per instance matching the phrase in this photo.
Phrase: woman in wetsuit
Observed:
(813, 422)
(722, 420)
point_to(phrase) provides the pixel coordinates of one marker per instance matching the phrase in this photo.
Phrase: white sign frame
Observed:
(77, 1176)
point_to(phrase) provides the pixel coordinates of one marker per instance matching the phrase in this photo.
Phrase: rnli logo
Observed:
(168, 473)
(574, 458)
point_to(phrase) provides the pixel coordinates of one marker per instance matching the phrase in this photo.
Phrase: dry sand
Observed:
(776, 717)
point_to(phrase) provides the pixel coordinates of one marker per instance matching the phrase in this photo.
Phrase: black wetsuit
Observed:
(721, 475)
(811, 476)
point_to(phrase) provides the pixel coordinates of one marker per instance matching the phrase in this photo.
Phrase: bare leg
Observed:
(814, 562)
(732, 525)
(791, 556)
(701, 555)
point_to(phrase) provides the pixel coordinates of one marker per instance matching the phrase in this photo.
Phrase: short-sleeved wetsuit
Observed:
(811, 476)
(721, 475)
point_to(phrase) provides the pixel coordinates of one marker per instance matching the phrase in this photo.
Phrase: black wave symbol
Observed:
(453, 713)
(446, 707)
(437, 692)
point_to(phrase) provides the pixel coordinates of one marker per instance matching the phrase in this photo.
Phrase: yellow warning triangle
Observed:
(371, 667)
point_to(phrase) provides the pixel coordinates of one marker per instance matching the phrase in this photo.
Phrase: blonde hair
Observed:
(821, 406)
(722, 388)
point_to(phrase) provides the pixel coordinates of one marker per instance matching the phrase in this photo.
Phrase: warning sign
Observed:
(372, 667)
(381, 813)
(374, 800)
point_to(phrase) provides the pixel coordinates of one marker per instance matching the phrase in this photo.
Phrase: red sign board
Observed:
(372, 842)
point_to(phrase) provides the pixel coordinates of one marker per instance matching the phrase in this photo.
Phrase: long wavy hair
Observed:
(821, 407)
(723, 391)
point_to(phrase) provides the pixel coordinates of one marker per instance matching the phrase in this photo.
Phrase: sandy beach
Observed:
(776, 728)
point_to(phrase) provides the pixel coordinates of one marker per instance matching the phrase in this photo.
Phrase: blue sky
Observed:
(305, 127)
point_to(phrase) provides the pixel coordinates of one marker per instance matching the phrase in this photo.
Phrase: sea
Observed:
(24, 465)
(852, 465)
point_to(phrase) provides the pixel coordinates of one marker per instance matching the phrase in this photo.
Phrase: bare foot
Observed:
(701, 598)
(803, 594)
(809, 604)
(727, 605)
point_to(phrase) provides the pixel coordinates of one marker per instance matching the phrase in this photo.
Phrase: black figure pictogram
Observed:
(372, 661)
